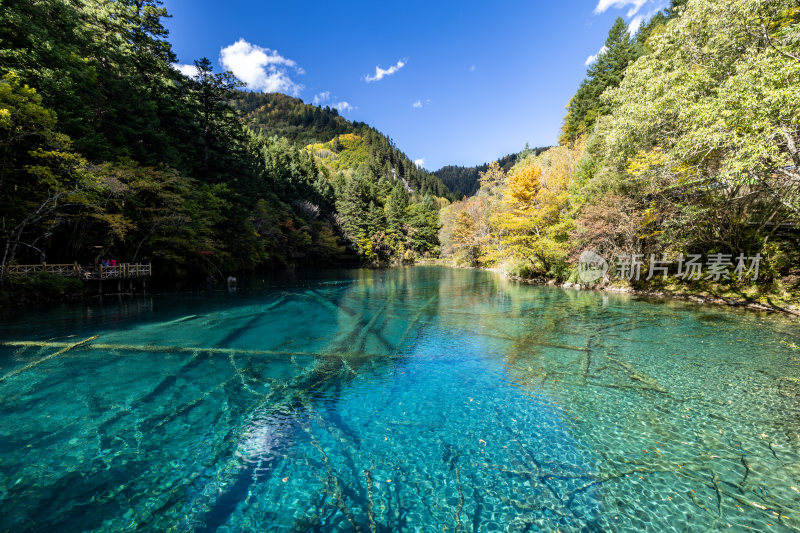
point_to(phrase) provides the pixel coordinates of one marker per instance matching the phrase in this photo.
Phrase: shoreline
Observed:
(696, 298)
(662, 294)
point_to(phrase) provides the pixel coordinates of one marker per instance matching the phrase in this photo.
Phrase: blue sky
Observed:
(450, 82)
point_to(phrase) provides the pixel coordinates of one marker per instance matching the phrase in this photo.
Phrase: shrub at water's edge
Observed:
(40, 288)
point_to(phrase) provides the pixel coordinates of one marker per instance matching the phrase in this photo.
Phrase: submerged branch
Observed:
(65, 347)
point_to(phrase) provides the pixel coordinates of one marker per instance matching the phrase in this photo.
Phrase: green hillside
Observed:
(289, 117)
(275, 114)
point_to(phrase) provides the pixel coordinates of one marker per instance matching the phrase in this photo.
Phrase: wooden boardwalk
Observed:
(74, 270)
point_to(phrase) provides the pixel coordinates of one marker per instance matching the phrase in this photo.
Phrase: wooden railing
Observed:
(74, 270)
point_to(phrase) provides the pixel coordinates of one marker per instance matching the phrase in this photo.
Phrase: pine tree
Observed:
(396, 210)
(216, 119)
(353, 207)
(606, 71)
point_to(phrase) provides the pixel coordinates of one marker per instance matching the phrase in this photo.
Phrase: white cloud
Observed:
(325, 96)
(190, 71)
(472, 68)
(592, 58)
(417, 104)
(382, 73)
(420, 162)
(635, 23)
(343, 106)
(260, 68)
(635, 7)
(322, 97)
(604, 5)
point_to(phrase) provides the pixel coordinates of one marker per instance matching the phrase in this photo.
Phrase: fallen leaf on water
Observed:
(285, 479)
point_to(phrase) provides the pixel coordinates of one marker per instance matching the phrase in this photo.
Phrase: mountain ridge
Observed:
(464, 181)
(308, 126)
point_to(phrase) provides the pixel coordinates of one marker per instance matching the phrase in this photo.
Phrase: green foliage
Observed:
(682, 140)
(341, 143)
(382, 221)
(423, 227)
(44, 185)
(396, 206)
(715, 100)
(520, 269)
(104, 67)
(385, 204)
(275, 114)
(606, 71)
(117, 154)
(159, 213)
(42, 286)
(352, 205)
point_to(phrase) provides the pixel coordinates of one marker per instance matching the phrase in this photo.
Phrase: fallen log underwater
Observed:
(65, 347)
(87, 344)
(296, 395)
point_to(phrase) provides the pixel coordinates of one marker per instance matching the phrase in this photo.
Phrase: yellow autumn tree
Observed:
(492, 179)
(523, 188)
(535, 224)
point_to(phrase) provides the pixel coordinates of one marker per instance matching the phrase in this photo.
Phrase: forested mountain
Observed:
(285, 116)
(382, 159)
(385, 205)
(275, 114)
(464, 181)
(111, 152)
(681, 142)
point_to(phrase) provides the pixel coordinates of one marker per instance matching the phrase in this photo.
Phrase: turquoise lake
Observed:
(413, 399)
